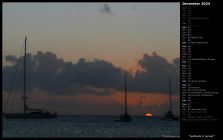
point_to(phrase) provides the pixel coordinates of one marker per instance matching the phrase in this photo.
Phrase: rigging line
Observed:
(13, 96)
(13, 81)
(16, 85)
(15, 88)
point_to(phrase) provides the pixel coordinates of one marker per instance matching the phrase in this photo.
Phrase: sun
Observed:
(148, 114)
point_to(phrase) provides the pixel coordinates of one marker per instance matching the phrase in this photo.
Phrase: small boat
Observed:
(32, 114)
(170, 115)
(125, 117)
(29, 113)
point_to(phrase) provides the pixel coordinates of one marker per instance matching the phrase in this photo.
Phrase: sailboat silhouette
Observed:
(29, 113)
(125, 117)
(170, 115)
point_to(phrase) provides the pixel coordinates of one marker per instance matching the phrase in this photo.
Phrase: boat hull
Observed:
(170, 116)
(174, 118)
(29, 116)
(124, 118)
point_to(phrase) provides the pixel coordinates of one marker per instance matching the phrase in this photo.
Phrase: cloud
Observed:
(106, 9)
(155, 74)
(51, 74)
(98, 73)
(11, 59)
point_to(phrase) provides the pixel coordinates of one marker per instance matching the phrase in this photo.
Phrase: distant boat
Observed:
(170, 115)
(125, 117)
(29, 113)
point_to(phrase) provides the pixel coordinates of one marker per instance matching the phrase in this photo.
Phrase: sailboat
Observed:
(170, 115)
(29, 113)
(125, 117)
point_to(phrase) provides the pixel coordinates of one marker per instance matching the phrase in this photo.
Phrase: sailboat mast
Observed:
(24, 97)
(125, 96)
(170, 93)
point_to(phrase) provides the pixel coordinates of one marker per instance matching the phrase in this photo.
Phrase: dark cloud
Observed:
(155, 74)
(49, 73)
(98, 73)
(106, 9)
(11, 59)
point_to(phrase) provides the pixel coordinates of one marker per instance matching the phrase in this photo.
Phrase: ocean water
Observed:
(90, 127)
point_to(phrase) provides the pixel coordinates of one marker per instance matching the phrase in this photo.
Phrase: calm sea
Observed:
(90, 126)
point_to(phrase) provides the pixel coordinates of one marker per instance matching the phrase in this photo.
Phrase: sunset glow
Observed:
(149, 115)
(78, 55)
(138, 103)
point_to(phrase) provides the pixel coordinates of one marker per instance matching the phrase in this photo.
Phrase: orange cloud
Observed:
(138, 103)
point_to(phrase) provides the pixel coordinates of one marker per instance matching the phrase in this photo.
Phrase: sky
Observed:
(67, 39)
